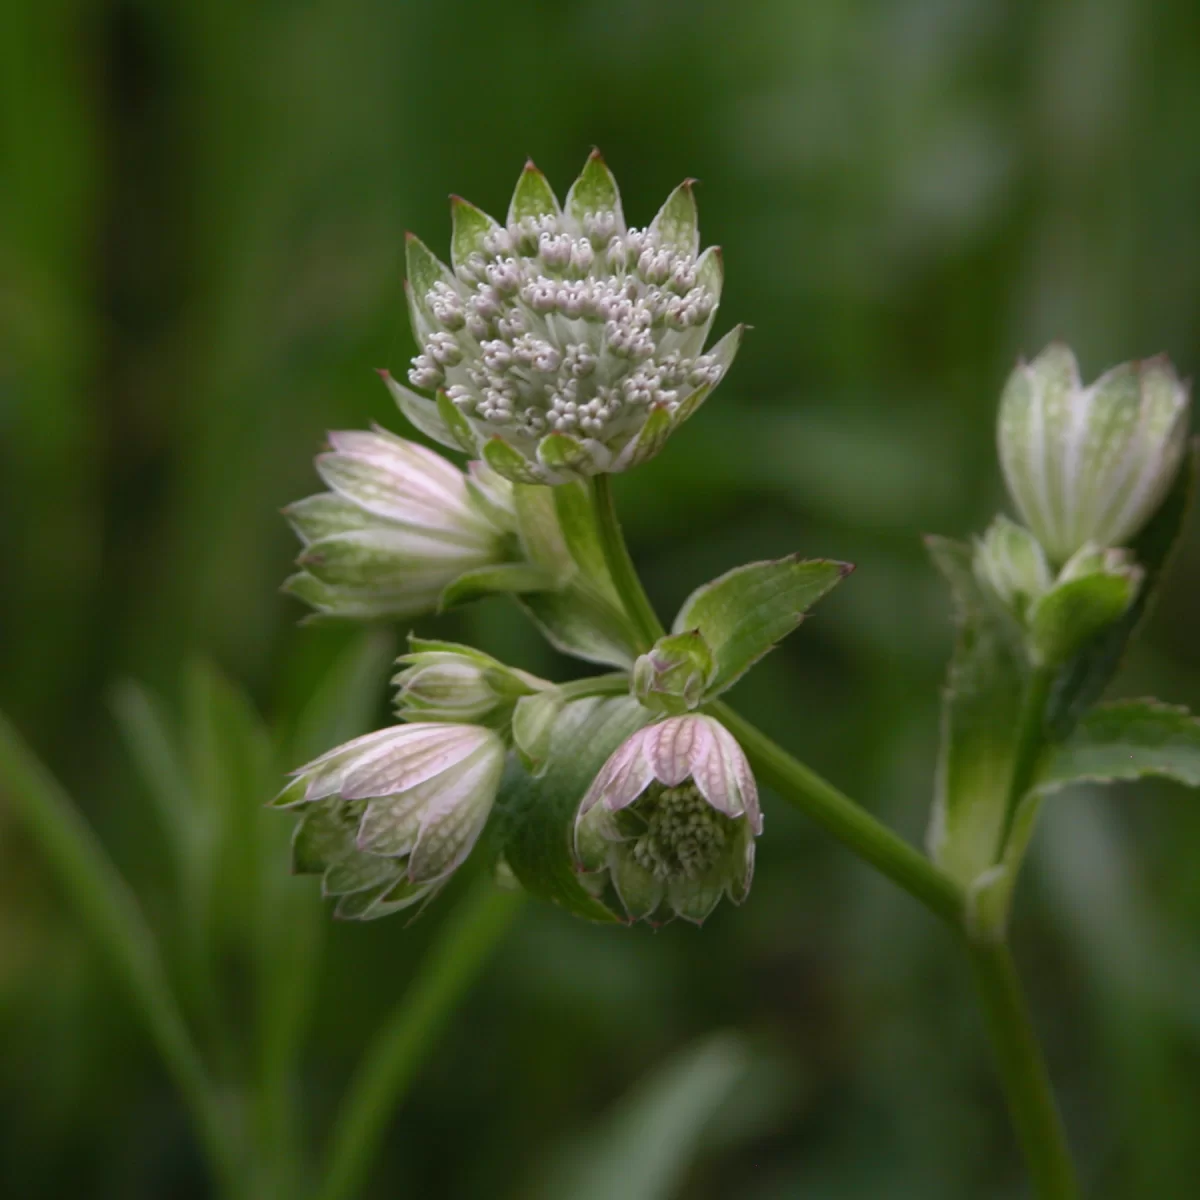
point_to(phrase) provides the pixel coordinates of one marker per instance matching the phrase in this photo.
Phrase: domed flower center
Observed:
(675, 832)
(556, 328)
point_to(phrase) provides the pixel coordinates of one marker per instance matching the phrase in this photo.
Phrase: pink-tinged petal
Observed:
(454, 819)
(390, 826)
(723, 775)
(324, 776)
(624, 777)
(425, 751)
(670, 745)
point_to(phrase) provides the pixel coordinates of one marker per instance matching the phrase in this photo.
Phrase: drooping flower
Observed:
(672, 817)
(1090, 464)
(388, 817)
(398, 526)
(562, 343)
(443, 681)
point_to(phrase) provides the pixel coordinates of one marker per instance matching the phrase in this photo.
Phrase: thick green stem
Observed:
(464, 945)
(839, 815)
(1023, 1073)
(106, 905)
(621, 568)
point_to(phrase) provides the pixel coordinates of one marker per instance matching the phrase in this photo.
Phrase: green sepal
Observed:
(1073, 613)
(325, 835)
(747, 611)
(533, 196)
(423, 269)
(595, 191)
(724, 351)
(677, 222)
(506, 578)
(456, 424)
(673, 675)
(981, 707)
(506, 460)
(535, 814)
(1082, 681)
(562, 452)
(470, 226)
(420, 412)
(651, 438)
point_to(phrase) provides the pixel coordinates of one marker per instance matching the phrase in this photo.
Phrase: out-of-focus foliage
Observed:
(201, 238)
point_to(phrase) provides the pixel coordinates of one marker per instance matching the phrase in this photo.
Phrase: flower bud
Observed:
(561, 343)
(672, 676)
(389, 817)
(399, 525)
(672, 817)
(443, 681)
(1010, 562)
(1090, 464)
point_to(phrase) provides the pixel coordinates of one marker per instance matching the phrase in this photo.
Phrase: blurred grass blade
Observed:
(109, 910)
(646, 1145)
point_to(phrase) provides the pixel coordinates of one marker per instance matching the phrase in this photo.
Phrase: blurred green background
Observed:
(202, 210)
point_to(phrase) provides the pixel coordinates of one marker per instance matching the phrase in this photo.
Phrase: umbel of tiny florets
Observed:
(399, 525)
(672, 817)
(561, 343)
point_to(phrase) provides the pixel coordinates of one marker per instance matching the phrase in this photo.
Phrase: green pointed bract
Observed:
(509, 462)
(1010, 561)
(678, 223)
(532, 197)
(506, 579)
(424, 269)
(723, 353)
(457, 425)
(421, 412)
(650, 439)
(469, 227)
(595, 191)
(560, 452)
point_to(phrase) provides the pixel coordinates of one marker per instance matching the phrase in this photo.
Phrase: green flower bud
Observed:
(561, 343)
(1010, 562)
(672, 676)
(1090, 464)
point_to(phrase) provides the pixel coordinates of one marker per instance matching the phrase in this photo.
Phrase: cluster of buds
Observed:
(1087, 467)
(563, 344)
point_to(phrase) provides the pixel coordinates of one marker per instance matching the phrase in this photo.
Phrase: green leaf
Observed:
(1071, 614)
(1125, 740)
(533, 196)
(577, 622)
(1083, 680)
(470, 226)
(535, 815)
(595, 191)
(677, 222)
(749, 610)
(507, 578)
(980, 711)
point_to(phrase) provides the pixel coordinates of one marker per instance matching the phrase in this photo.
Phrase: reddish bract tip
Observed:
(383, 373)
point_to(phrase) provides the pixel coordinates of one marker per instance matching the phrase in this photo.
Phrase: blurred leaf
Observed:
(644, 1148)
(1073, 613)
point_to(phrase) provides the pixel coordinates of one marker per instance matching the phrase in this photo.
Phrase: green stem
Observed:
(471, 933)
(106, 905)
(1029, 743)
(1022, 1072)
(620, 566)
(837, 814)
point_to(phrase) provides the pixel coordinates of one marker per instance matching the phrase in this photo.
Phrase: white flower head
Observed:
(390, 816)
(561, 343)
(1090, 464)
(672, 816)
(399, 525)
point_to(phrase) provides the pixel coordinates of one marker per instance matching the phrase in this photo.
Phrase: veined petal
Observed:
(723, 775)
(624, 777)
(672, 746)
(419, 752)
(391, 824)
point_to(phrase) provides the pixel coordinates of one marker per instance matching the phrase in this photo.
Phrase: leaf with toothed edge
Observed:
(595, 191)
(420, 412)
(745, 613)
(533, 196)
(535, 815)
(470, 226)
(678, 223)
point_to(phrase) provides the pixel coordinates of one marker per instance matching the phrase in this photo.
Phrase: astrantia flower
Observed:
(390, 816)
(398, 526)
(1090, 464)
(562, 343)
(672, 817)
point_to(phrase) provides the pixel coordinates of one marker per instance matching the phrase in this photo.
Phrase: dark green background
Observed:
(202, 209)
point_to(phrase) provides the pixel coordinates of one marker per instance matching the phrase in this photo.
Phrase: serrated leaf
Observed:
(535, 815)
(1083, 680)
(749, 610)
(507, 578)
(470, 226)
(533, 196)
(980, 710)
(677, 223)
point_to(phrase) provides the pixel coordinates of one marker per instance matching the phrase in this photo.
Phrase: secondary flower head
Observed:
(1090, 464)
(562, 343)
(399, 524)
(390, 816)
(672, 817)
